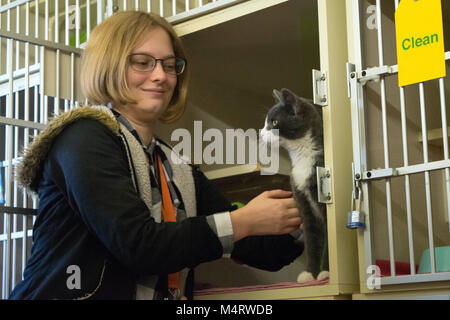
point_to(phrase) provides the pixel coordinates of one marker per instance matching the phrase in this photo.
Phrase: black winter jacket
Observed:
(90, 216)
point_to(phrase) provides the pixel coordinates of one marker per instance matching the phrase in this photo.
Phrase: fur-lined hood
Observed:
(29, 170)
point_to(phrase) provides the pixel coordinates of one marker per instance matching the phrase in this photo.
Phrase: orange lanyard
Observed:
(168, 211)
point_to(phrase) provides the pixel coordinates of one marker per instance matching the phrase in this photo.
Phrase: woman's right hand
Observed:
(271, 213)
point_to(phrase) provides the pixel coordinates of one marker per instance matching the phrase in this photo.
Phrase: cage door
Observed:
(401, 156)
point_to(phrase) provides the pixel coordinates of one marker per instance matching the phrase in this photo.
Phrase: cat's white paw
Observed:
(305, 276)
(323, 275)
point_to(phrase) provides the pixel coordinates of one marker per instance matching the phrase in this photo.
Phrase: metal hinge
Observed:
(324, 185)
(320, 89)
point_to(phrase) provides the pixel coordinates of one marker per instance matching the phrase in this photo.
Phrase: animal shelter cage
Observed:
(41, 44)
(401, 159)
(239, 51)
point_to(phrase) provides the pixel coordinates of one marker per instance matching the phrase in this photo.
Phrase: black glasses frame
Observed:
(177, 60)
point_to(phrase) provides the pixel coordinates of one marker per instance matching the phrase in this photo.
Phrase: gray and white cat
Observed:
(299, 130)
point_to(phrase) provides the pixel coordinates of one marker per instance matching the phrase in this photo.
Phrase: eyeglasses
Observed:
(141, 62)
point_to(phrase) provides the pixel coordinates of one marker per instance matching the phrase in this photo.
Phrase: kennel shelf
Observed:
(435, 136)
(308, 291)
(221, 16)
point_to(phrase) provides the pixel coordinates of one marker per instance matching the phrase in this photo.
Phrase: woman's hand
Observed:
(272, 212)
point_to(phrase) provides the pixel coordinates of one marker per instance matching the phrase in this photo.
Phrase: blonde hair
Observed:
(105, 60)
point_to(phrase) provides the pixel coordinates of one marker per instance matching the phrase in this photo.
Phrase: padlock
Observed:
(355, 216)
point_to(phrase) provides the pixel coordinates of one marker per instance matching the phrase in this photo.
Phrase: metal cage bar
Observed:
(427, 178)
(15, 152)
(77, 23)
(7, 246)
(445, 143)
(88, 19)
(26, 132)
(407, 183)
(58, 59)
(407, 180)
(385, 140)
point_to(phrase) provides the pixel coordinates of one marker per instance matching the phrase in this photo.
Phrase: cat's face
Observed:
(289, 119)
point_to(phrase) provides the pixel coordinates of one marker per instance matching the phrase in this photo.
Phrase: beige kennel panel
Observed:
(40, 47)
(401, 157)
(273, 46)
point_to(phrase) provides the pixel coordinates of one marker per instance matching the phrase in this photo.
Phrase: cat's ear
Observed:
(290, 101)
(278, 96)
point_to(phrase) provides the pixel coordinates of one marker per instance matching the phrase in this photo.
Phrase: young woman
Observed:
(118, 217)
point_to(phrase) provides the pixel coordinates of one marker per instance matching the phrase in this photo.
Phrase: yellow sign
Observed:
(420, 41)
